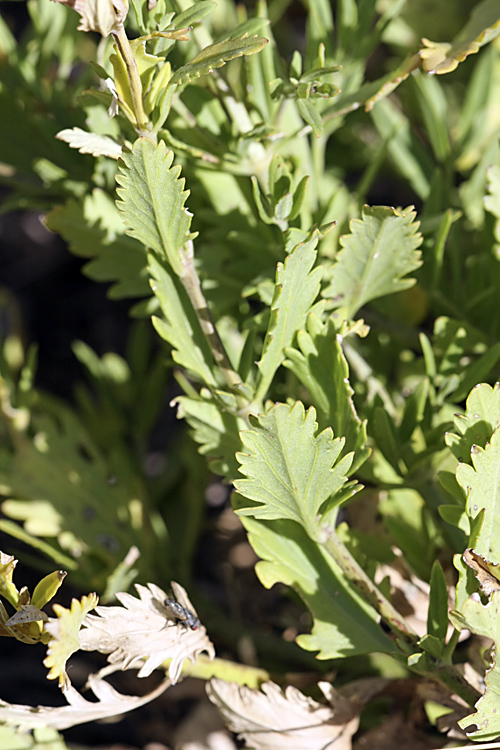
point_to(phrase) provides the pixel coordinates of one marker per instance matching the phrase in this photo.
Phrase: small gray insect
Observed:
(182, 614)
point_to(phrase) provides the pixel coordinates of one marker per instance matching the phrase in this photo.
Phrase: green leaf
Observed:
(216, 431)
(193, 14)
(381, 248)
(344, 625)
(482, 26)
(94, 229)
(309, 113)
(409, 156)
(296, 288)
(437, 616)
(321, 366)
(383, 429)
(414, 410)
(481, 482)
(291, 471)
(464, 357)
(477, 425)
(58, 484)
(216, 55)
(483, 620)
(152, 200)
(180, 325)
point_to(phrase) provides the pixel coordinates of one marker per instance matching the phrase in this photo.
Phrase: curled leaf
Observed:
(140, 633)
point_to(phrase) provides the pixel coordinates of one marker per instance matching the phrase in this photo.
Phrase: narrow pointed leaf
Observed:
(152, 200)
(296, 288)
(217, 55)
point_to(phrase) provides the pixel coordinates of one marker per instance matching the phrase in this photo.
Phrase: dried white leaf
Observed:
(79, 711)
(104, 16)
(139, 634)
(90, 143)
(272, 719)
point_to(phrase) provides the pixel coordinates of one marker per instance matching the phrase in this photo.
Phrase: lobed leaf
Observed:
(291, 471)
(79, 710)
(320, 365)
(94, 229)
(481, 483)
(152, 200)
(379, 251)
(477, 425)
(483, 620)
(65, 632)
(274, 719)
(296, 288)
(215, 430)
(140, 633)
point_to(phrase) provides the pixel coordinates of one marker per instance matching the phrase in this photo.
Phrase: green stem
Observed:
(369, 591)
(141, 121)
(445, 674)
(230, 671)
(192, 285)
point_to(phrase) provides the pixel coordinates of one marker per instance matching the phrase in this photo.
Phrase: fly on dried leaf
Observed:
(180, 609)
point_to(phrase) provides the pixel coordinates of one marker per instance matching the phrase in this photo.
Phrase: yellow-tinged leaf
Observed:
(46, 589)
(482, 26)
(65, 632)
(7, 588)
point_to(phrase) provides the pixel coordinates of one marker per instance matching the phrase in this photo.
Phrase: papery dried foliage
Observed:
(103, 16)
(139, 633)
(79, 711)
(272, 718)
